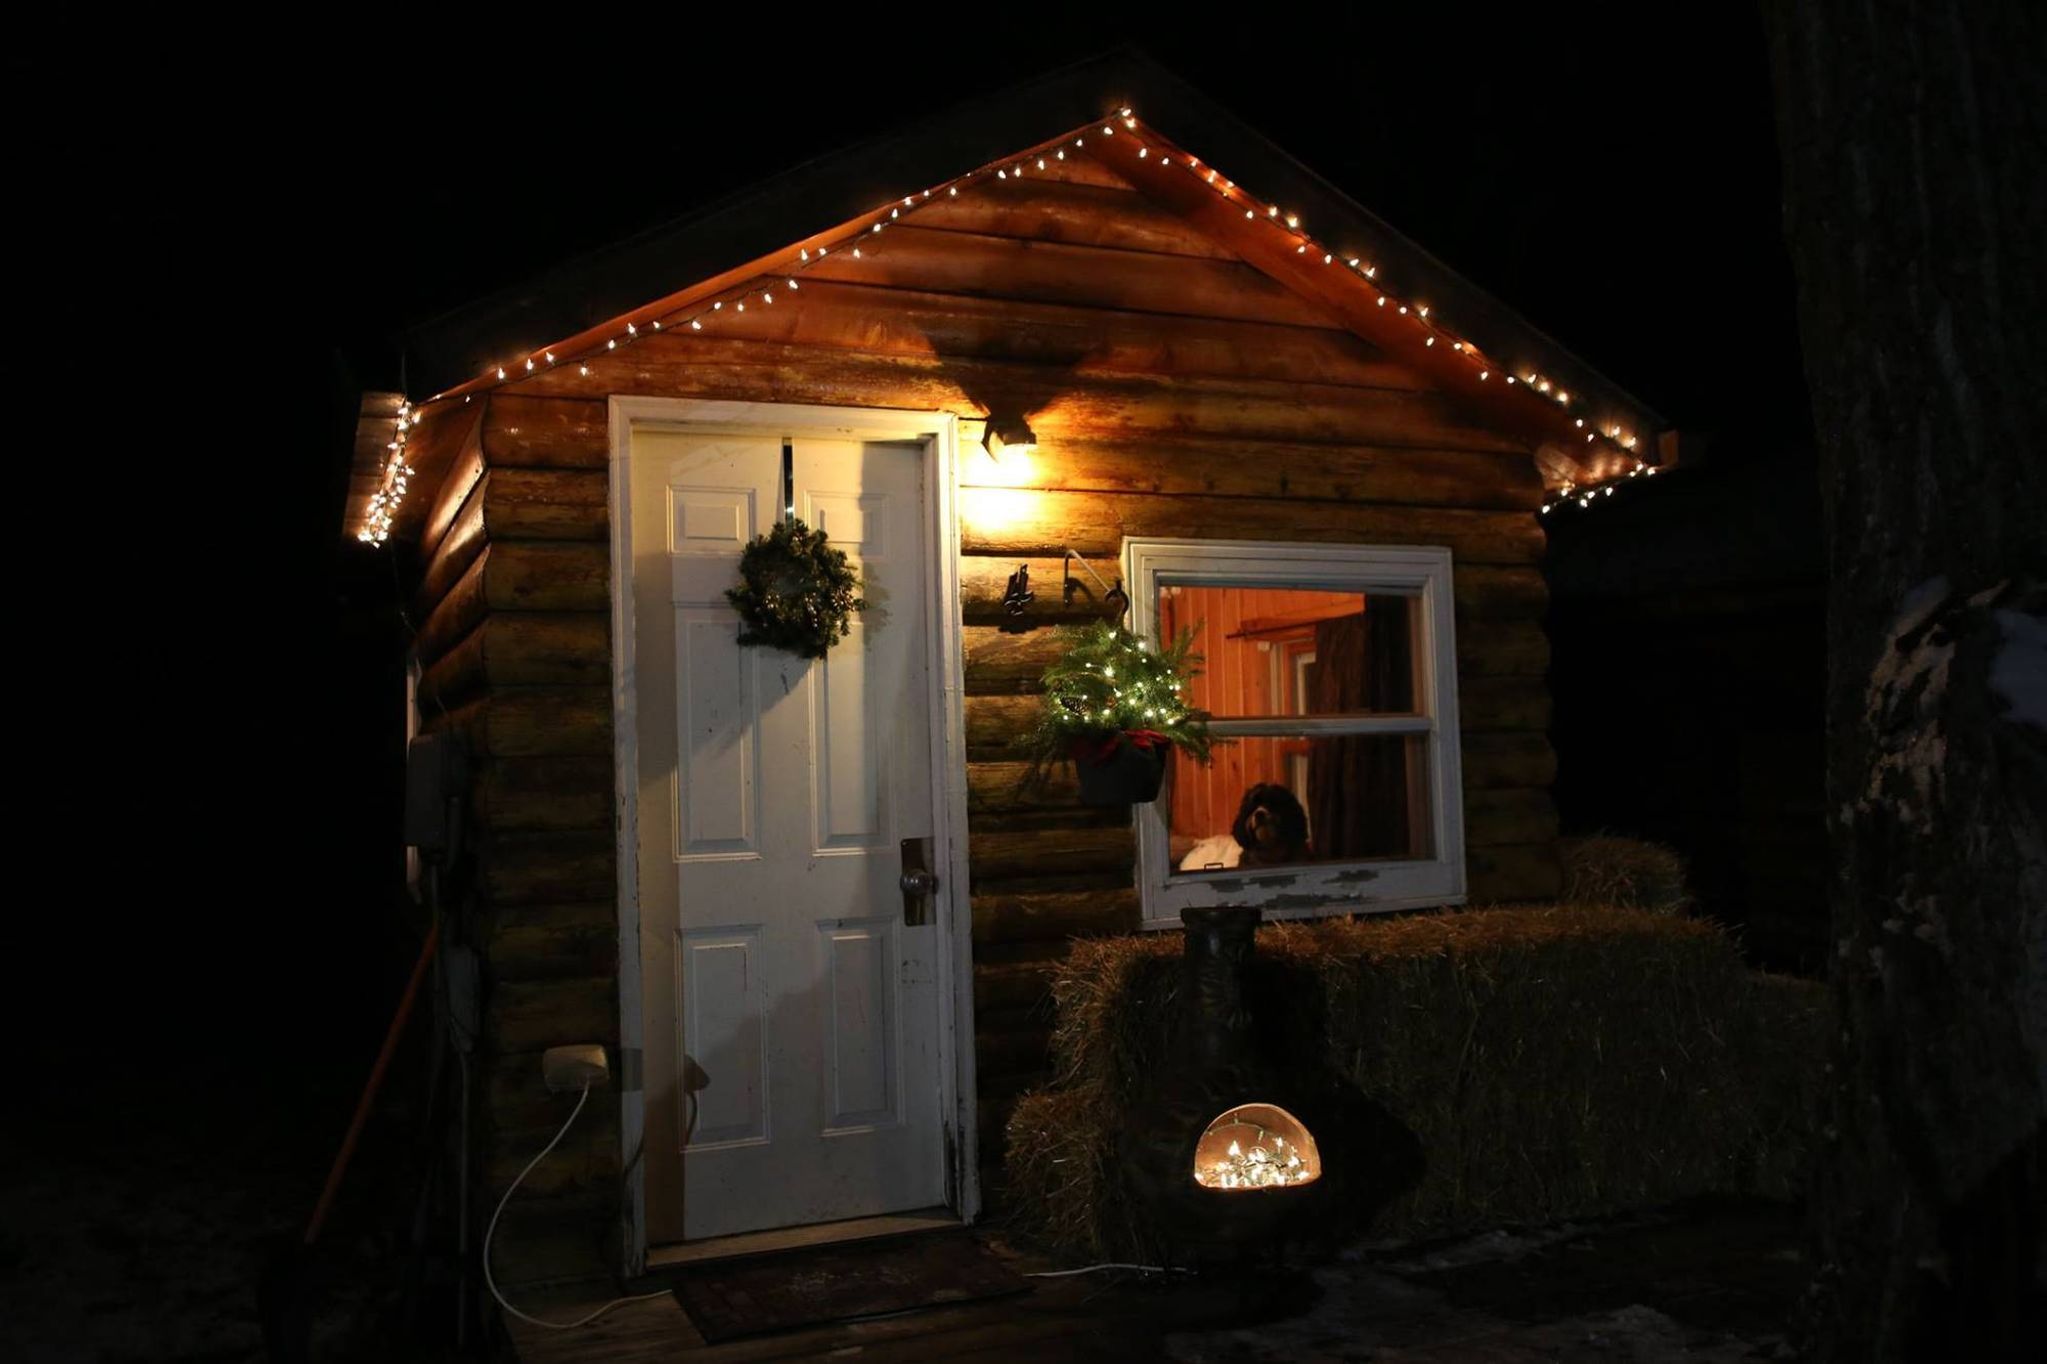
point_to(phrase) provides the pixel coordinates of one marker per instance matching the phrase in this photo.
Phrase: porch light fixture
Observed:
(1009, 432)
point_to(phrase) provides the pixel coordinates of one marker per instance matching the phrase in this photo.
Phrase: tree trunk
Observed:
(1914, 144)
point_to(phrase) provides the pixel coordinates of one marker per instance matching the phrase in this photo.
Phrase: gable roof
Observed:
(586, 303)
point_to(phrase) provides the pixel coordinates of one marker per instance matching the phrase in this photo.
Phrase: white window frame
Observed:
(1316, 889)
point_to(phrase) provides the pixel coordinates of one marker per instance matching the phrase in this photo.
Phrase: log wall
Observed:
(1174, 390)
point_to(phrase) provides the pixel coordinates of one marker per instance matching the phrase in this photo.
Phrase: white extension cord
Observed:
(492, 1282)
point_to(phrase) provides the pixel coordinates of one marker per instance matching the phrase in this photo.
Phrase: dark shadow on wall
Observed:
(1688, 667)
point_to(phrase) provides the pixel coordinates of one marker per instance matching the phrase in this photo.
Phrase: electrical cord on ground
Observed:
(1090, 1269)
(492, 1231)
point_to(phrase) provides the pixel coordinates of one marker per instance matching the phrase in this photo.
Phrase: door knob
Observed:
(917, 882)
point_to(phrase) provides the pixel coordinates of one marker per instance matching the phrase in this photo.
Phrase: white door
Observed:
(792, 1058)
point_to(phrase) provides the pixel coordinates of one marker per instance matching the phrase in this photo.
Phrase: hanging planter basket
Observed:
(1121, 768)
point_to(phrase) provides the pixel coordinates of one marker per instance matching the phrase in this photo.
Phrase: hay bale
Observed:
(1062, 1184)
(1630, 872)
(1555, 1061)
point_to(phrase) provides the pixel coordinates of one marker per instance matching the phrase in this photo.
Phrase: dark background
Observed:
(226, 263)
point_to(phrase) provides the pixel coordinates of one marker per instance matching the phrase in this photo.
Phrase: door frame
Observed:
(937, 433)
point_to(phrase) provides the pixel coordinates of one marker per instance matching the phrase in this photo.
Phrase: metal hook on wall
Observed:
(1111, 596)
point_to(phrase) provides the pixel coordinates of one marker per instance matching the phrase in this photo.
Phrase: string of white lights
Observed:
(382, 512)
(860, 241)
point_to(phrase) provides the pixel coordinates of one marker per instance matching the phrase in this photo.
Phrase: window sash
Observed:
(1313, 890)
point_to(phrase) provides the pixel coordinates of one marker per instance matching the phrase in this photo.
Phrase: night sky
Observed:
(1614, 178)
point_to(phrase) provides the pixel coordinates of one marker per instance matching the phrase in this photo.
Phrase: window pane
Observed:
(1296, 651)
(1271, 801)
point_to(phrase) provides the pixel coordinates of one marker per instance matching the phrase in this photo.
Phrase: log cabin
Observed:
(1097, 328)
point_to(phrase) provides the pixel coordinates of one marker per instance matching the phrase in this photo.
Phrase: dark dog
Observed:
(1271, 827)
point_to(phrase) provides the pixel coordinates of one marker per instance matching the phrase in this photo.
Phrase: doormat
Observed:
(777, 1293)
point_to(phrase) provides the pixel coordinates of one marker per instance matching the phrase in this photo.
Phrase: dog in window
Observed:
(1270, 829)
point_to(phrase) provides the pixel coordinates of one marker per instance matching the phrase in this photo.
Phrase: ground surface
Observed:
(138, 1221)
(1706, 1284)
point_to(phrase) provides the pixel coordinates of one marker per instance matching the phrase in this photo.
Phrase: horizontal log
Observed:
(1029, 523)
(1074, 170)
(548, 575)
(1001, 917)
(1528, 872)
(999, 728)
(523, 648)
(1061, 406)
(994, 857)
(585, 1162)
(1006, 662)
(1481, 591)
(549, 952)
(456, 676)
(1077, 214)
(1511, 815)
(577, 913)
(1021, 1048)
(1502, 703)
(548, 867)
(533, 721)
(1494, 760)
(546, 648)
(545, 504)
(513, 1100)
(521, 431)
(910, 257)
(574, 792)
(994, 787)
(531, 1016)
(1078, 341)
(1242, 468)
(1510, 648)
(1024, 985)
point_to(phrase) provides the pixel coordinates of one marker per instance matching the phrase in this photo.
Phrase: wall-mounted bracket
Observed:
(1111, 596)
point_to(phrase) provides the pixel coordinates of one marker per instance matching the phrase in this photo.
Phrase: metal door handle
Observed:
(917, 882)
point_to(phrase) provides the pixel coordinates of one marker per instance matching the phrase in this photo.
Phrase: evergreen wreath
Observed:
(795, 591)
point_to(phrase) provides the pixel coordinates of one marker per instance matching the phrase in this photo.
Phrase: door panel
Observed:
(792, 1016)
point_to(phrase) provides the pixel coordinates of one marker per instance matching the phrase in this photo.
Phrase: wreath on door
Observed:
(795, 591)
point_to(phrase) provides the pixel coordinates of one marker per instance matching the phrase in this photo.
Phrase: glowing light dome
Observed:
(1256, 1146)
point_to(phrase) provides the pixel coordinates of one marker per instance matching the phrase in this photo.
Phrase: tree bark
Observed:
(1914, 146)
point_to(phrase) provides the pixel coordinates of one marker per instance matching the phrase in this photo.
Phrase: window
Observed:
(1331, 673)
